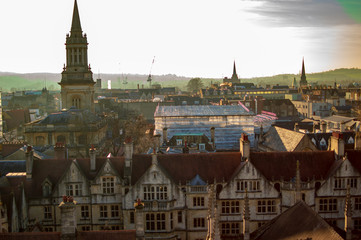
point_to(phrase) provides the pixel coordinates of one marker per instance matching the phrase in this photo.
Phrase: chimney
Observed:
(156, 142)
(165, 137)
(93, 158)
(246, 217)
(348, 215)
(29, 154)
(138, 86)
(297, 127)
(128, 152)
(338, 144)
(68, 218)
(244, 146)
(139, 220)
(342, 126)
(59, 150)
(358, 140)
(213, 132)
(323, 127)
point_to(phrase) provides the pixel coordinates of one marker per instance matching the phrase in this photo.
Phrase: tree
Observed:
(194, 84)
(136, 128)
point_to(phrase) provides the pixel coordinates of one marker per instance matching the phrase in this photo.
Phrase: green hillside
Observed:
(36, 81)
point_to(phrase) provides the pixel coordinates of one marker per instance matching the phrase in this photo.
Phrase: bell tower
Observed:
(77, 85)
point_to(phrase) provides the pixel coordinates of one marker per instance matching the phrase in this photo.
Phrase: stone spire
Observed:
(348, 215)
(303, 81)
(234, 78)
(298, 182)
(75, 25)
(246, 217)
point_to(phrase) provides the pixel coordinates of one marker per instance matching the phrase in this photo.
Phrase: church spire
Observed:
(234, 78)
(303, 81)
(75, 25)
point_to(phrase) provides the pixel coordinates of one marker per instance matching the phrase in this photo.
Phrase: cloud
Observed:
(300, 13)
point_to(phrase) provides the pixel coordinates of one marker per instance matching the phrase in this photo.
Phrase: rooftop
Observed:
(204, 110)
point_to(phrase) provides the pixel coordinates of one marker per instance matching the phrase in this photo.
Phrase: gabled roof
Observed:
(281, 139)
(282, 165)
(298, 222)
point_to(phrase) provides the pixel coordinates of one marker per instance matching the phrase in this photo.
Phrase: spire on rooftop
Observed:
(234, 75)
(75, 25)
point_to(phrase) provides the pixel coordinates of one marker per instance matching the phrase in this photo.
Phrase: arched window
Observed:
(76, 102)
(60, 139)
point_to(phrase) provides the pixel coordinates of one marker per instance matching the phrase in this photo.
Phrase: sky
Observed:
(192, 38)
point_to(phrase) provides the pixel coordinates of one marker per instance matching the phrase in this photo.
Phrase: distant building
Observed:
(229, 122)
(234, 79)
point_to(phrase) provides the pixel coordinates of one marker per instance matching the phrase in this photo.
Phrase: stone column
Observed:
(68, 218)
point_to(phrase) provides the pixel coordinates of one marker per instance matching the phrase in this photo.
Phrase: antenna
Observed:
(150, 74)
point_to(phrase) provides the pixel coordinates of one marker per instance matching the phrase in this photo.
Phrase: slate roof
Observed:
(298, 222)
(281, 139)
(282, 165)
(12, 166)
(75, 116)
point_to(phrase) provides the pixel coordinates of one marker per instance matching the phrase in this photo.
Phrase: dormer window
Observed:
(46, 189)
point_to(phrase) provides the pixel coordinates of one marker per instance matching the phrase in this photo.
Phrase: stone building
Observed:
(183, 194)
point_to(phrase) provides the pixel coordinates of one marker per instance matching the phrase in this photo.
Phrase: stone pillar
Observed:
(93, 158)
(29, 154)
(246, 218)
(338, 144)
(139, 220)
(348, 215)
(244, 146)
(68, 218)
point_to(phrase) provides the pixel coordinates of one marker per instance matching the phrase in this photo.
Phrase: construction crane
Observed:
(150, 74)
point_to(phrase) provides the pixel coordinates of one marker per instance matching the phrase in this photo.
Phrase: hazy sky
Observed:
(194, 38)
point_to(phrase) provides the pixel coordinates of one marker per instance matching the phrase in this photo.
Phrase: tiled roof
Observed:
(298, 222)
(282, 165)
(210, 167)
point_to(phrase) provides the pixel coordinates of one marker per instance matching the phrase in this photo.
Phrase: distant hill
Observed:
(33, 81)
